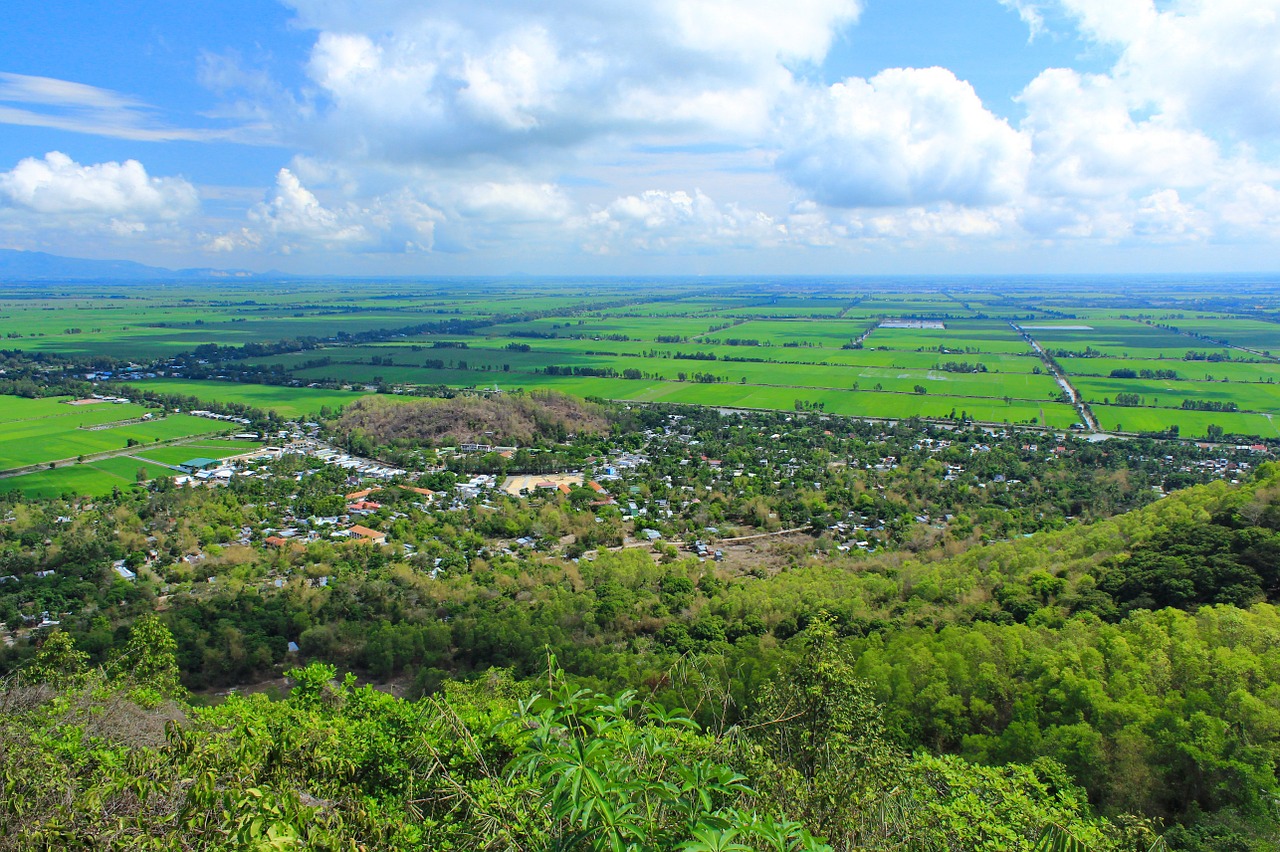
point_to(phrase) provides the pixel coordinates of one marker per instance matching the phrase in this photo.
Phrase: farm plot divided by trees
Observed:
(1145, 355)
(108, 440)
(45, 430)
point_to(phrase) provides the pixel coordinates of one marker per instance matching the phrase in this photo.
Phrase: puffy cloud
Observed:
(1209, 63)
(1160, 217)
(405, 82)
(742, 30)
(1087, 143)
(293, 218)
(907, 136)
(293, 211)
(943, 223)
(1163, 217)
(514, 202)
(676, 221)
(121, 197)
(495, 127)
(1163, 147)
(681, 222)
(1249, 209)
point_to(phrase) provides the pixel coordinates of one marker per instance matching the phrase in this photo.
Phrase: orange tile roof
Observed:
(365, 532)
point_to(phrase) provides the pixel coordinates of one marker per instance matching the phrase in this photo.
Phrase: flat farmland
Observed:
(473, 357)
(83, 479)
(177, 454)
(56, 440)
(285, 401)
(17, 409)
(127, 467)
(1250, 334)
(637, 328)
(978, 336)
(865, 401)
(348, 363)
(694, 306)
(1202, 371)
(804, 359)
(45, 430)
(866, 357)
(1191, 424)
(1117, 338)
(1160, 393)
(100, 477)
(827, 333)
(362, 374)
(798, 329)
(999, 385)
(938, 305)
(91, 479)
(793, 307)
(138, 326)
(850, 403)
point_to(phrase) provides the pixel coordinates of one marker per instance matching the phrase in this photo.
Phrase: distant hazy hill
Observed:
(39, 266)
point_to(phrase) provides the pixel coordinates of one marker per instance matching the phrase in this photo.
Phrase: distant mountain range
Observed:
(39, 266)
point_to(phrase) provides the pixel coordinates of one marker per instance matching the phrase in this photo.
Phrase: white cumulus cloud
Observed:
(1214, 64)
(402, 81)
(120, 197)
(293, 218)
(907, 136)
(1087, 141)
(507, 128)
(514, 202)
(682, 222)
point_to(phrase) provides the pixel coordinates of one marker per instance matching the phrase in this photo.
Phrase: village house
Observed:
(365, 534)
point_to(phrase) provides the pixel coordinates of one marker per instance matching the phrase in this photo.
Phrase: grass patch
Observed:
(287, 402)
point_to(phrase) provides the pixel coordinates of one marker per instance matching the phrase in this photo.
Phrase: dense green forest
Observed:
(114, 758)
(960, 638)
(1115, 677)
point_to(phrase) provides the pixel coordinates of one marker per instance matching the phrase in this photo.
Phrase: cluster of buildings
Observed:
(226, 418)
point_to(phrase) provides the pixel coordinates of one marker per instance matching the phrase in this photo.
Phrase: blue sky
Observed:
(667, 136)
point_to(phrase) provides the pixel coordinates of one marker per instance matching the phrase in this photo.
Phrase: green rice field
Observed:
(1191, 424)
(45, 430)
(285, 401)
(732, 341)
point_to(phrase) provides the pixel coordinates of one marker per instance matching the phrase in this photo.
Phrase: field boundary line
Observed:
(114, 424)
(89, 458)
(1074, 396)
(1205, 339)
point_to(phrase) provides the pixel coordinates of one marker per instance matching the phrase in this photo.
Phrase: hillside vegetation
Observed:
(493, 765)
(515, 419)
(1119, 679)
